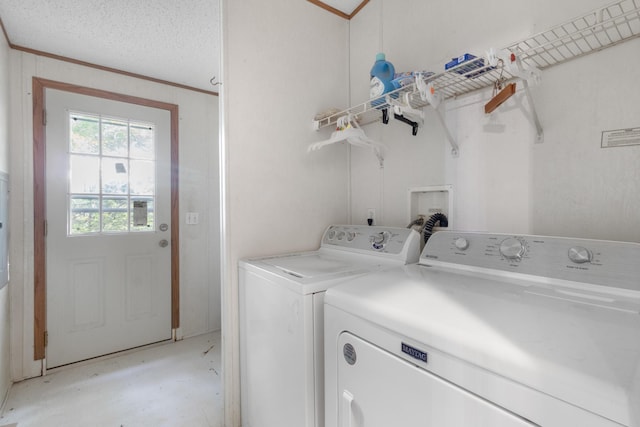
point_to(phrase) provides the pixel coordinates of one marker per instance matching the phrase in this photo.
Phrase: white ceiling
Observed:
(172, 40)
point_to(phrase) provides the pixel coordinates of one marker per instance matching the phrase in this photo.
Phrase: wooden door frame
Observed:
(39, 200)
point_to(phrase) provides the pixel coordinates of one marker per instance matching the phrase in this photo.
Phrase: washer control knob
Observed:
(580, 255)
(350, 236)
(511, 248)
(378, 238)
(461, 243)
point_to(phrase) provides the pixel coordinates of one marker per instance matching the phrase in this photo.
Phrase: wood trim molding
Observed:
(39, 215)
(358, 9)
(335, 11)
(4, 31)
(39, 86)
(175, 221)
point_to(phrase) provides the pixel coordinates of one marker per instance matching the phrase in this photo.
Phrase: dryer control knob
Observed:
(511, 248)
(350, 236)
(580, 255)
(461, 243)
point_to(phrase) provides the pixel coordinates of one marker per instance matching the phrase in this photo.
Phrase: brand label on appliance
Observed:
(414, 352)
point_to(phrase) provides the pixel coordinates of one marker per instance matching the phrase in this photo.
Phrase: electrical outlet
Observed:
(371, 215)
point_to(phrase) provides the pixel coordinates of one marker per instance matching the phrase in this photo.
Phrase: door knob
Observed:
(163, 243)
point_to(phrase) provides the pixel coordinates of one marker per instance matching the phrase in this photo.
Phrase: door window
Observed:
(112, 175)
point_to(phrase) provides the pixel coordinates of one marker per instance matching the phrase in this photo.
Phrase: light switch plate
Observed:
(192, 218)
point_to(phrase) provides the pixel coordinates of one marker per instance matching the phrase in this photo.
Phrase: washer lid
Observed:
(316, 265)
(311, 272)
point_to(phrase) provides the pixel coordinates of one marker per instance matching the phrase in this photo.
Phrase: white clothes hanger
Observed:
(428, 92)
(403, 107)
(348, 130)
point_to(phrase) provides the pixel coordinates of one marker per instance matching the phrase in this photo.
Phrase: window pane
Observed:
(115, 139)
(85, 174)
(85, 131)
(115, 176)
(143, 209)
(84, 214)
(142, 177)
(115, 214)
(109, 192)
(141, 141)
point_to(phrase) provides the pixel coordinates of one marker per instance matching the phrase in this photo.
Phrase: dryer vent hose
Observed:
(440, 219)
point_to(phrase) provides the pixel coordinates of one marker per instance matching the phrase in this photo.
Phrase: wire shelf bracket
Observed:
(533, 112)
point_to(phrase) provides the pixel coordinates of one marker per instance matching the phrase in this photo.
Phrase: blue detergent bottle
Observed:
(382, 73)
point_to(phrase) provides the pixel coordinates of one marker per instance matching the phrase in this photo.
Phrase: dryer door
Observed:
(378, 389)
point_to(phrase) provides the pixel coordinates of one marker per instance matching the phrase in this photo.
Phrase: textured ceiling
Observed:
(172, 40)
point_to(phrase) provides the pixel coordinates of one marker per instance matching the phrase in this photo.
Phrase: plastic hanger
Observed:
(428, 92)
(404, 112)
(348, 130)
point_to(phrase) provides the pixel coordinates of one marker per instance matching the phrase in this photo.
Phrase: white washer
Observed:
(281, 319)
(489, 330)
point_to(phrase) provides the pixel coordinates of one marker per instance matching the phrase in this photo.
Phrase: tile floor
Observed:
(175, 384)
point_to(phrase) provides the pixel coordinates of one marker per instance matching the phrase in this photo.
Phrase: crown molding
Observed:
(339, 12)
(98, 67)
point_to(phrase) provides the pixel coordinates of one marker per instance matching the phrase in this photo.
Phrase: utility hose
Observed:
(439, 218)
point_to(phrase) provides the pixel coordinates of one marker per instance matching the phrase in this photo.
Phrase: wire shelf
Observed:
(594, 31)
(451, 83)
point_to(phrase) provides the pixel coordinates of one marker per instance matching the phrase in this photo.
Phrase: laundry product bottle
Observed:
(382, 74)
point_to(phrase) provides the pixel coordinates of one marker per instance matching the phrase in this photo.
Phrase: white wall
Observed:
(503, 180)
(5, 377)
(198, 157)
(283, 62)
(579, 188)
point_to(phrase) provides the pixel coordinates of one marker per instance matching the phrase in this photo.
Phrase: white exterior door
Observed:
(108, 249)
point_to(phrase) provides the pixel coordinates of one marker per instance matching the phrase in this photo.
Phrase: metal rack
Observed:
(591, 32)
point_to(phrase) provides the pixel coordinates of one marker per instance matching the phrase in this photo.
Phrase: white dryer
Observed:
(489, 330)
(281, 319)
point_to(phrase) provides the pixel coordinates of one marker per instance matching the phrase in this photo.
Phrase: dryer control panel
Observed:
(613, 266)
(387, 241)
